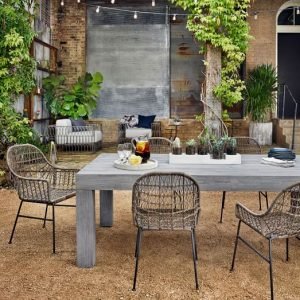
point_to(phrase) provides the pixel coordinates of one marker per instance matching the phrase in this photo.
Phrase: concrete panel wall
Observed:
(134, 60)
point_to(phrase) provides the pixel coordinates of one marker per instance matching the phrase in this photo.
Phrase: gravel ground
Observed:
(28, 269)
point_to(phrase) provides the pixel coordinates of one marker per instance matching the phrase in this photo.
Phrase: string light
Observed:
(78, 1)
(62, 3)
(255, 16)
(98, 9)
(298, 11)
(112, 1)
(135, 15)
(153, 2)
(174, 17)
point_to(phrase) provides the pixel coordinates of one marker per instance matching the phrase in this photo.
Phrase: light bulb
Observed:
(174, 17)
(98, 9)
(112, 1)
(153, 2)
(255, 16)
(298, 11)
(62, 3)
(38, 90)
(78, 1)
(135, 15)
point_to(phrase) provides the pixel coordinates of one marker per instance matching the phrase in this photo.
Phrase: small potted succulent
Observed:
(204, 144)
(190, 148)
(217, 149)
(230, 146)
(176, 147)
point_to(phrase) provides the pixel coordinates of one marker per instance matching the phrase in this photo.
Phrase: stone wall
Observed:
(262, 47)
(68, 34)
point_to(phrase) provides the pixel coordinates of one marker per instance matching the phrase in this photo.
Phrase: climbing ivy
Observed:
(223, 24)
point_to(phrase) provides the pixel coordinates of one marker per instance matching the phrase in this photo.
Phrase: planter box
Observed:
(204, 159)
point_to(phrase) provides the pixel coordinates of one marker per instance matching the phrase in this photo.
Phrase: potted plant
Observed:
(217, 149)
(190, 148)
(204, 144)
(176, 120)
(229, 145)
(176, 147)
(260, 97)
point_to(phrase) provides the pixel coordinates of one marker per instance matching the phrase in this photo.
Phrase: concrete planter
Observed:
(262, 132)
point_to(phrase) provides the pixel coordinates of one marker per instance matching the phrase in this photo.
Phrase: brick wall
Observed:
(68, 28)
(262, 48)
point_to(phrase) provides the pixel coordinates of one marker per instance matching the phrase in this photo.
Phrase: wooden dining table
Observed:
(100, 174)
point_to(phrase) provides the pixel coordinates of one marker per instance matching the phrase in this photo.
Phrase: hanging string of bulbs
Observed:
(136, 12)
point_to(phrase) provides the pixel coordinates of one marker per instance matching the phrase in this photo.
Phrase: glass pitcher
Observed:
(142, 147)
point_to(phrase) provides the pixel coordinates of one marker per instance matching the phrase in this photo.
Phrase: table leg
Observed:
(85, 228)
(106, 208)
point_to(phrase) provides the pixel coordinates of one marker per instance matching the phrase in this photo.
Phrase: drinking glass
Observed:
(121, 153)
(127, 150)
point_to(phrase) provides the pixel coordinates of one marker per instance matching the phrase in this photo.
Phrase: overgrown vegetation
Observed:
(76, 102)
(16, 70)
(223, 24)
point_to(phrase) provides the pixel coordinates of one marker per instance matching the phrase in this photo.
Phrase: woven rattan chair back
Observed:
(247, 145)
(282, 219)
(166, 201)
(28, 161)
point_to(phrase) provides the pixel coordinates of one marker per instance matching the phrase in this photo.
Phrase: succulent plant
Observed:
(191, 142)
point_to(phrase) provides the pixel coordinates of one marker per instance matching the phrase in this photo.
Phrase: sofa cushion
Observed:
(78, 125)
(145, 121)
(129, 121)
(136, 132)
(79, 137)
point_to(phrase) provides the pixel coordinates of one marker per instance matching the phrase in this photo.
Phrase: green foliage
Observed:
(191, 142)
(14, 128)
(78, 101)
(16, 34)
(223, 24)
(260, 92)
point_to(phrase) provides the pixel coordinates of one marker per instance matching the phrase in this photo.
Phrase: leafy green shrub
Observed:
(260, 92)
(76, 102)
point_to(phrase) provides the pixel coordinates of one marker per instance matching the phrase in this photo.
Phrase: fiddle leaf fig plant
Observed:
(78, 101)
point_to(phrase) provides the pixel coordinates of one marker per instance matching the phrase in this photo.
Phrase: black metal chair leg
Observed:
(259, 200)
(15, 224)
(44, 225)
(53, 226)
(223, 206)
(136, 243)
(271, 269)
(194, 257)
(139, 238)
(235, 246)
(196, 251)
(287, 249)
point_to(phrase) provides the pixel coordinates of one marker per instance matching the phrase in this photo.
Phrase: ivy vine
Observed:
(223, 24)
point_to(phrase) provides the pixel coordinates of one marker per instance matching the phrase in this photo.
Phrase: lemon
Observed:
(134, 160)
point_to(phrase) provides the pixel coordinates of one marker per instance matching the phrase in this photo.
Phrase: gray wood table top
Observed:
(251, 175)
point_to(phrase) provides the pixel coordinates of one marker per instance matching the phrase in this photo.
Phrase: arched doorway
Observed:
(288, 58)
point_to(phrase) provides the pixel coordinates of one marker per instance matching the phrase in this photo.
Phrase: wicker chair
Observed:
(158, 145)
(246, 145)
(38, 181)
(165, 201)
(280, 221)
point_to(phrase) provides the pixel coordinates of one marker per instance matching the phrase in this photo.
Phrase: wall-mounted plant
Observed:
(76, 102)
(190, 148)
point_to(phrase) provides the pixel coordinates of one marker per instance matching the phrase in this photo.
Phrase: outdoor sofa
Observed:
(75, 135)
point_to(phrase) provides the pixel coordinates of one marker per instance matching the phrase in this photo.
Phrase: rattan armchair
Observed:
(280, 221)
(165, 201)
(38, 181)
(246, 145)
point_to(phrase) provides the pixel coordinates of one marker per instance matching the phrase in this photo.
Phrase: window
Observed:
(289, 16)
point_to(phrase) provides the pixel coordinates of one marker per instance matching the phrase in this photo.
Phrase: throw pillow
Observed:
(146, 121)
(78, 125)
(129, 121)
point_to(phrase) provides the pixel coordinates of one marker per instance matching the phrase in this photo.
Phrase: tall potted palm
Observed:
(260, 96)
